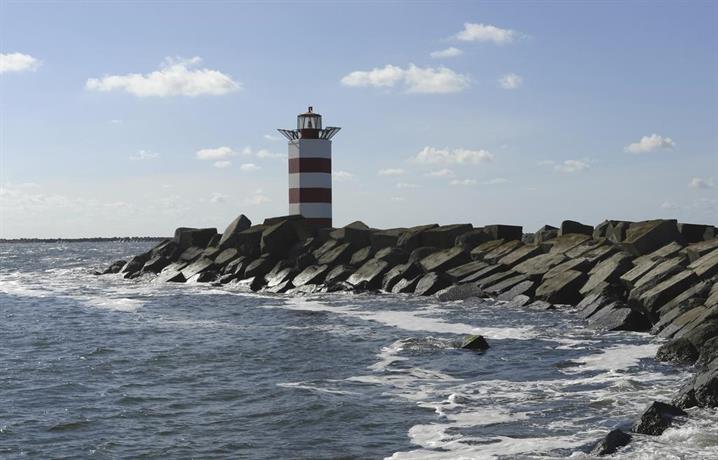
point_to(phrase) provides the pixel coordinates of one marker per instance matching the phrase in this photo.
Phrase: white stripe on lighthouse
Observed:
(310, 180)
(310, 148)
(312, 210)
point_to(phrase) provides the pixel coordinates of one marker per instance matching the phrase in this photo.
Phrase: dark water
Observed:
(102, 367)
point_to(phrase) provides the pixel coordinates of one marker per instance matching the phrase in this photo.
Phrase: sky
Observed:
(134, 118)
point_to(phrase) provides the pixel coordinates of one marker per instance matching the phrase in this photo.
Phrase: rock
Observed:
(707, 265)
(115, 267)
(652, 278)
(679, 351)
(562, 288)
(419, 253)
(394, 275)
(338, 274)
(485, 272)
(607, 271)
(283, 277)
(324, 248)
(237, 266)
(599, 253)
(190, 254)
(613, 441)
(250, 240)
(580, 264)
(524, 288)
(475, 342)
(645, 237)
(443, 237)
(686, 397)
(541, 305)
(431, 283)
(505, 285)
(279, 288)
(392, 256)
(520, 254)
(633, 275)
(592, 303)
(135, 264)
(230, 236)
(370, 274)
(211, 252)
(258, 268)
(495, 278)
(465, 270)
(357, 233)
(616, 232)
(156, 264)
(504, 232)
(460, 292)
(481, 250)
(338, 255)
(570, 226)
(694, 233)
(709, 352)
(304, 260)
(445, 260)
(411, 238)
(520, 301)
(313, 274)
(171, 274)
(706, 387)
(564, 243)
(701, 332)
(680, 321)
(198, 266)
(471, 239)
(406, 285)
(227, 278)
(207, 276)
(499, 252)
(656, 418)
(601, 230)
(186, 237)
(697, 294)
(277, 239)
(389, 238)
(361, 256)
(618, 317)
(656, 297)
(698, 250)
(537, 266)
(664, 252)
(226, 256)
(545, 233)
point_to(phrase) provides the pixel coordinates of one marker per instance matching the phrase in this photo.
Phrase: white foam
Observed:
(614, 359)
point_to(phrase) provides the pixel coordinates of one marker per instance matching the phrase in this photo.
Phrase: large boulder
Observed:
(115, 267)
(562, 288)
(545, 233)
(592, 303)
(411, 238)
(679, 351)
(656, 297)
(616, 231)
(619, 317)
(680, 322)
(186, 237)
(198, 266)
(230, 236)
(601, 230)
(655, 276)
(281, 277)
(259, 267)
(480, 274)
(536, 267)
(709, 353)
(278, 238)
(613, 441)
(564, 243)
(645, 237)
(524, 288)
(357, 233)
(707, 265)
(471, 239)
(314, 274)
(406, 285)
(443, 237)
(504, 232)
(394, 275)
(656, 418)
(249, 240)
(519, 254)
(171, 274)
(419, 253)
(156, 264)
(570, 226)
(697, 250)
(431, 283)
(499, 252)
(190, 254)
(459, 292)
(505, 285)
(445, 260)
(337, 255)
(580, 264)
(338, 274)
(693, 233)
(393, 256)
(667, 251)
(133, 267)
(226, 256)
(474, 342)
(361, 256)
(381, 239)
(370, 274)
(481, 250)
(465, 270)
(706, 387)
(631, 277)
(607, 271)
(495, 278)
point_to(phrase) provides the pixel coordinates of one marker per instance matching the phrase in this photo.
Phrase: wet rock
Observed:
(465, 270)
(431, 283)
(504, 232)
(541, 305)
(370, 274)
(361, 256)
(314, 274)
(277, 239)
(411, 238)
(496, 278)
(475, 342)
(135, 264)
(505, 285)
(545, 233)
(324, 248)
(537, 266)
(705, 387)
(443, 237)
(250, 240)
(607, 271)
(619, 317)
(226, 256)
(652, 278)
(679, 351)
(709, 352)
(337, 255)
(701, 331)
(392, 256)
(156, 264)
(357, 233)
(460, 292)
(645, 237)
(520, 301)
(206, 276)
(419, 253)
(280, 288)
(657, 296)
(259, 267)
(303, 261)
(172, 274)
(408, 270)
(445, 259)
(389, 238)
(186, 237)
(613, 441)
(281, 277)
(592, 303)
(481, 250)
(656, 418)
(406, 285)
(115, 267)
(198, 266)
(519, 255)
(562, 288)
(524, 288)
(237, 266)
(191, 254)
(570, 226)
(681, 321)
(338, 274)
(696, 293)
(230, 236)
(227, 278)
(707, 265)
(471, 239)
(686, 397)
(694, 233)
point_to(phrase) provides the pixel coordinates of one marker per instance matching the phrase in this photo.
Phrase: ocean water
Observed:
(102, 367)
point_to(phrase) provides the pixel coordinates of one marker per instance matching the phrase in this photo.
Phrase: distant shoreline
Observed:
(84, 240)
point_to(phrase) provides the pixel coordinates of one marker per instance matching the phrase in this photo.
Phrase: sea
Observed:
(100, 367)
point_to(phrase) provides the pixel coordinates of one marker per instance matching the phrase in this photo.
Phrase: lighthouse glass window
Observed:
(310, 122)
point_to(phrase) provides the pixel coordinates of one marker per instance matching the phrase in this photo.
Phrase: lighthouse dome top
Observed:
(309, 120)
(309, 126)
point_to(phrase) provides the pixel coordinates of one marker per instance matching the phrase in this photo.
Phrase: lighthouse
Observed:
(310, 168)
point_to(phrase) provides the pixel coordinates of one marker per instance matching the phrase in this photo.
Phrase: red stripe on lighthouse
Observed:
(310, 165)
(310, 195)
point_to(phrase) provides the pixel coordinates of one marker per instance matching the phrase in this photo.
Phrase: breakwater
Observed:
(656, 276)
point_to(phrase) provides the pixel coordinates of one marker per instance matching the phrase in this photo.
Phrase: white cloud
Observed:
(463, 182)
(427, 80)
(406, 185)
(650, 143)
(176, 77)
(699, 182)
(272, 138)
(572, 166)
(391, 172)
(144, 155)
(432, 155)
(511, 81)
(446, 53)
(222, 164)
(219, 153)
(669, 205)
(486, 33)
(264, 153)
(249, 167)
(257, 198)
(497, 181)
(440, 173)
(342, 176)
(218, 198)
(17, 62)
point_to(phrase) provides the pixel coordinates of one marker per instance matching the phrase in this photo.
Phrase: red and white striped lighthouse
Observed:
(310, 168)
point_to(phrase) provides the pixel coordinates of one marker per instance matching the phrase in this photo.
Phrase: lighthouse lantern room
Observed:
(310, 168)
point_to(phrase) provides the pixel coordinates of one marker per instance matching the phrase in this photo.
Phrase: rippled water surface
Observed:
(102, 367)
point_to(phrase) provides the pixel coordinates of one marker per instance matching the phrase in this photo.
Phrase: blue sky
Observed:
(121, 118)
